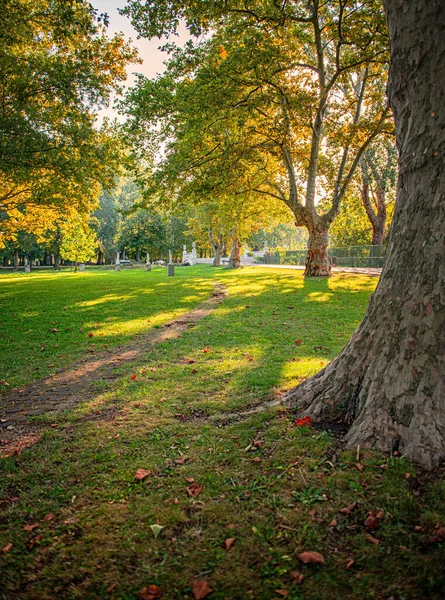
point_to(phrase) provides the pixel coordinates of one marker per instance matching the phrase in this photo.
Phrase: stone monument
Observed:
(118, 263)
(147, 263)
(170, 266)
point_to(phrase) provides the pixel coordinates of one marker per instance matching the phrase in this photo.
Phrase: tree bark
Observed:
(317, 260)
(16, 259)
(217, 248)
(57, 261)
(235, 254)
(389, 381)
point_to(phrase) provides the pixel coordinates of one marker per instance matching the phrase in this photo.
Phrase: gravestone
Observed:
(170, 269)
(118, 263)
(82, 267)
(28, 268)
(147, 263)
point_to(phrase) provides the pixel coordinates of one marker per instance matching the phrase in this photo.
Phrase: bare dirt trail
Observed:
(73, 385)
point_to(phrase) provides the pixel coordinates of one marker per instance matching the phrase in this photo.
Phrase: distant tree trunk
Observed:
(235, 254)
(317, 260)
(377, 215)
(138, 256)
(16, 259)
(57, 261)
(389, 380)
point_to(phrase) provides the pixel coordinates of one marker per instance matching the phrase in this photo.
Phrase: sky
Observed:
(148, 49)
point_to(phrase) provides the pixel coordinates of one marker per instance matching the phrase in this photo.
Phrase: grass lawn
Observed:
(229, 503)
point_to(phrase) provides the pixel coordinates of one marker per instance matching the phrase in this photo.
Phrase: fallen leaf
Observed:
(284, 593)
(348, 509)
(303, 421)
(30, 527)
(371, 522)
(151, 592)
(372, 539)
(297, 576)
(191, 361)
(229, 543)
(156, 529)
(194, 490)
(142, 474)
(407, 475)
(350, 562)
(311, 557)
(181, 461)
(91, 335)
(256, 459)
(110, 588)
(333, 523)
(359, 466)
(201, 589)
(380, 514)
(7, 548)
(189, 479)
(133, 376)
(48, 517)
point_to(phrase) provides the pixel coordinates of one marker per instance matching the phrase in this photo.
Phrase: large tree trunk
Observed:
(235, 254)
(390, 379)
(317, 260)
(57, 261)
(217, 248)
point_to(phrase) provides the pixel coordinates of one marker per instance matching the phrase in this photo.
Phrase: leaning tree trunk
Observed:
(390, 379)
(235, 254)
(317, 260)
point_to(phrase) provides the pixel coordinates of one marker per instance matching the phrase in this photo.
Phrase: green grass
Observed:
(265, 482)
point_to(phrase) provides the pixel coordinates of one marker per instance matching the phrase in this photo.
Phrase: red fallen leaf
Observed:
(194, 490)
(350, 562)
(311, 557)
(133, 376)
(48, 517)
(372, 539)
(201, 589)
(142, 474)
(371, 522)
(359, 466)
(194, 370)
(348, 509)
(91, 335)
(284, 593)
(181, 461)
(191, 361)
(7, 548)
(256, 459)
(302, 422)
(206, 349)
(297, 576)
(229, 543)
(110, 588)
(189, 479)
(440, 532)
(151, 592)
(333, 523)
(298, 341)
(30, 527)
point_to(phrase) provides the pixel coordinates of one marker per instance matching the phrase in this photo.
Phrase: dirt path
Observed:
(73, 385)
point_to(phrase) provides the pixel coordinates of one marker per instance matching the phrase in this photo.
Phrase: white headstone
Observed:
(82, 267)
(170, 258)
(28, 268)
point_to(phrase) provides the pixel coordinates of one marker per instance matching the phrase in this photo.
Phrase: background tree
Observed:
(57, 66)
(283, 100)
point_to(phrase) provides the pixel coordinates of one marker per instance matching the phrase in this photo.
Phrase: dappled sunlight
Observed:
(319, 297)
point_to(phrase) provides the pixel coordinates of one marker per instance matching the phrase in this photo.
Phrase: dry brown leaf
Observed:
(30, 527)
(151, 592)
(194, 490)
(110, 588)
(333, 523)
(229, 543)
(201, 589)
(297, 576)
(256, 459)
(283, 593)
(372, 539)
(311, 557)
(350, 562)
(371, 522)
(359, 466)
(48, 517)
(142, 474)
(189, 479)
(181, 461)
(380, 514)
(7, 548)
(348, 509)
